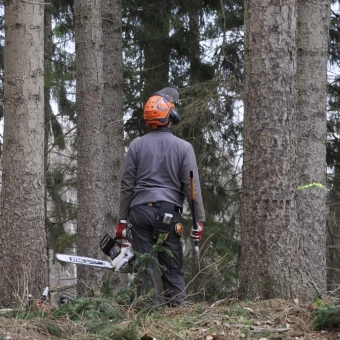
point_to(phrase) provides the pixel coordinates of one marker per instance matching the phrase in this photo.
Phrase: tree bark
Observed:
(90, 137)
(113, 107)
(23, 245)
(100, 127)
(156, 47)
(48, 50)
(195, 55)
(269, 235)
(312, 46)
(113, 113)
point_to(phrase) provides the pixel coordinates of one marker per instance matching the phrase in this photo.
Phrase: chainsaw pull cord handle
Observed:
(193, 209)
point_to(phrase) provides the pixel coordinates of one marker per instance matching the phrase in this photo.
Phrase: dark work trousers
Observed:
(143, 219)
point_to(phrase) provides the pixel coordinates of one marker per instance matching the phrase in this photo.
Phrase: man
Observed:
(155, 182)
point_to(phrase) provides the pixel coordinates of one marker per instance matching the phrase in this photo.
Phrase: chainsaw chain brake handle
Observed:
(107, 243)
(121, 253)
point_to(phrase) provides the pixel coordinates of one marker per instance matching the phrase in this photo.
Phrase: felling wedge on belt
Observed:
(193, 211)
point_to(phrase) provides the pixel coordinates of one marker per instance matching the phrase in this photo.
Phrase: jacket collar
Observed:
(163, 129)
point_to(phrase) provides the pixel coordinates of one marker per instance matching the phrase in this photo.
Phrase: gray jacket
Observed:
(157, 168)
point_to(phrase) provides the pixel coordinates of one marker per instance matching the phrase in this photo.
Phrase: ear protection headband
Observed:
(171, 95)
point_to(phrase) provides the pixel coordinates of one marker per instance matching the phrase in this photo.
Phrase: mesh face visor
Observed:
(169, 93)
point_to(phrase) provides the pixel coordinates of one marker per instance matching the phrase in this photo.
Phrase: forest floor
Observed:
(228, 319)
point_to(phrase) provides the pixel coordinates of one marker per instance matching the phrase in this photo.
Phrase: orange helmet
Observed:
(160, 108)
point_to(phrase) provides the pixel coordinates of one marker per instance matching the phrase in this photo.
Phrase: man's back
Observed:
(158, 165)
(160, 160)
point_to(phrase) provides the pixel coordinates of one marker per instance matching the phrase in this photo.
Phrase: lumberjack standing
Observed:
(155, 182)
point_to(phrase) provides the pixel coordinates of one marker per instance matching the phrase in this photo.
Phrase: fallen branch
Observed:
(270, 330)
(257, 329)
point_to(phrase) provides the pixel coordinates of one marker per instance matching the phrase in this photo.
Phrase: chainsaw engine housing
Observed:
(121, 254)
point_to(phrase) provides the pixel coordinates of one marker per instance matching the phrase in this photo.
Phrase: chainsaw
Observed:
(121, 255)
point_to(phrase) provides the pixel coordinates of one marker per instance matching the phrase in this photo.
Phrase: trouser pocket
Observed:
(162, 228)
(165, 221)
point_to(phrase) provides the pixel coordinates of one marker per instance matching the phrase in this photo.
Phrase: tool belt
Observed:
(166, 219)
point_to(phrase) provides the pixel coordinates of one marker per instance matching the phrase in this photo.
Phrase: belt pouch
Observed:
(163, 215)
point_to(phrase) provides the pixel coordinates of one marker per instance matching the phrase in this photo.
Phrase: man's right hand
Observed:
(121, 229)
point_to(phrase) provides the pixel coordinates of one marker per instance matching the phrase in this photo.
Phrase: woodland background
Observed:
(137, 48)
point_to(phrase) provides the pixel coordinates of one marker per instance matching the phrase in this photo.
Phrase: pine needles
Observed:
(98, 315)
(326, 318)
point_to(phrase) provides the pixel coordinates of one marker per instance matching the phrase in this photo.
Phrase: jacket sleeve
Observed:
(190, 164)
(127, 185)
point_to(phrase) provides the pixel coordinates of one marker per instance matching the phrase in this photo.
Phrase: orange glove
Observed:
(121, 229)
(197, 234)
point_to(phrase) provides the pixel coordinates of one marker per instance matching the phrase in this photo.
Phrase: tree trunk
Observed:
(269, 236)
(23, 245)
(156, 47)
(312, 43)
(113, 113)
(195, 53)
(333, 235)
(312, 46)
(100, 127)
(90, 137)
(113, 107)
(48, 52)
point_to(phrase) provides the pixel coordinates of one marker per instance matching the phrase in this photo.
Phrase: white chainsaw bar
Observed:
(87, 261)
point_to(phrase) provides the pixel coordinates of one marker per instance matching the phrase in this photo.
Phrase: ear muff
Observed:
(175, 117)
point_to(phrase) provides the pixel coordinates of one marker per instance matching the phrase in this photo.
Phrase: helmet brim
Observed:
(169, 93)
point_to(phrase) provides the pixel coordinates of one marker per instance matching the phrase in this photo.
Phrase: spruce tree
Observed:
(23, 244)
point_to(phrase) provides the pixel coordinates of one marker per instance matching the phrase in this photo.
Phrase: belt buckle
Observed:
(150, 204)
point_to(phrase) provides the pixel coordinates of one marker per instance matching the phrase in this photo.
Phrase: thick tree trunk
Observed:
(113, 113)
(270, 237)
(113, 107)
(23, 245)
(90, 137)
(312, 46)
(100, 127)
